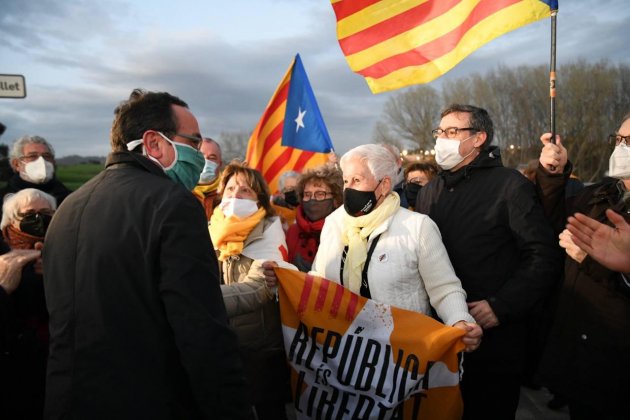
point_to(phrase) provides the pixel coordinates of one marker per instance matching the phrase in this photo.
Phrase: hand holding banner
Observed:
(352, 357)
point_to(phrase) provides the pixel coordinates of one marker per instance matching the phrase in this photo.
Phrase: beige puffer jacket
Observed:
(251, 306)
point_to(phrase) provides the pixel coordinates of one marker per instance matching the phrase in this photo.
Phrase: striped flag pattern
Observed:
(291, 134)
(397, 43)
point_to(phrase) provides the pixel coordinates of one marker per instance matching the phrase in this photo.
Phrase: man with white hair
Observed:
(33, 162)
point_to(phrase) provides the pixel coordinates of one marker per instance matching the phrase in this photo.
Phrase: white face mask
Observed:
(619, 164)
(239, 207)
(447, 152)
(38, 171)
(209, 172)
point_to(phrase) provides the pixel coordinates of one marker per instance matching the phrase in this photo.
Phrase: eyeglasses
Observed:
(42, 212)
(317, 195)
(451, 132)
(616, 139)
(195, 140)
(31, 157)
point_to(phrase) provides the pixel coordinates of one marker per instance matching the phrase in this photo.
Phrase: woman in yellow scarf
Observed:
(245, 232)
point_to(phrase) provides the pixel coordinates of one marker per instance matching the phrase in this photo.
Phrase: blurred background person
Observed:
(417, 175)
(285, 201)
(23, 315)
(399, 181)
(529, 169)
(33, 163)
(320, 191)
(207, 188)
(245, 232)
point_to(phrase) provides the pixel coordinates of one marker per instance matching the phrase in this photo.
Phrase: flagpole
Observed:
(552, 76)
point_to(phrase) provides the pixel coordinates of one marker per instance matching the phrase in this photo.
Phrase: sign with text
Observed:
(353, 357)
(12, 86)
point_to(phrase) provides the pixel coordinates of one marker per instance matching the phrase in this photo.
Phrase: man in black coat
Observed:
(585, 356)
(33, 164)
(138, 326)
(502, 248)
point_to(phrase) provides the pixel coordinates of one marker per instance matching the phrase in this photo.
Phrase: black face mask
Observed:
(35, 224)
(411, 192)
(358, 203)
(291, 198)
(316, 210)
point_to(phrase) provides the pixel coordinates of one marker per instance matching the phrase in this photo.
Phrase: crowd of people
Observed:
(151, 291)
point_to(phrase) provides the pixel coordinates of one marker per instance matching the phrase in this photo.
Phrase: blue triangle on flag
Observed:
(304, 126)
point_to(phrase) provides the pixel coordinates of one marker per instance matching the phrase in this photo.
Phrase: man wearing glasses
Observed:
(584, 359)
(33, 163)
(138, 327)
(502, 248)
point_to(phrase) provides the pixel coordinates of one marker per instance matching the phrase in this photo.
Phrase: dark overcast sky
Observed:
(80, 58)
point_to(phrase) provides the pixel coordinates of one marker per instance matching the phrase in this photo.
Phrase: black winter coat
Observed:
(137, 321)
(53, 187)
(502, 248)
(23, 346)
(585, 356)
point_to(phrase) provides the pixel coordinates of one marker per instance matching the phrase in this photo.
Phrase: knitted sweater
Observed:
(409, 267)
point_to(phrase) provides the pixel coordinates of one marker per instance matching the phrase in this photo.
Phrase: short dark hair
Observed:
(479, 119)
(143, 111)
(327, 174)
(254, 179)
(428, 167)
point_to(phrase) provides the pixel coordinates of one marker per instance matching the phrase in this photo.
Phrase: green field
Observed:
(73, 176)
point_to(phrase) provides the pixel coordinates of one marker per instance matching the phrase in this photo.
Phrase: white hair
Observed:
(17, 150)
(283, 178)
(14, 202)
(380, 161)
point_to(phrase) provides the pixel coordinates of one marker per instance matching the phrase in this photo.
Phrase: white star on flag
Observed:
(299, 121)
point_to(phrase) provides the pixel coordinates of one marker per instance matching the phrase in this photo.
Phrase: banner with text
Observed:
(352, 357)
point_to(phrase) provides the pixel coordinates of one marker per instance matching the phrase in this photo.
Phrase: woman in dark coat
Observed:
(23, 314)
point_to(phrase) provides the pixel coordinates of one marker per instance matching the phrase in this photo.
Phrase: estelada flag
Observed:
(394, 43)
(352, 357)
(291, 134)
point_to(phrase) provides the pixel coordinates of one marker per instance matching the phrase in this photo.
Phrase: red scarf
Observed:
(16, 239)
(303, 240)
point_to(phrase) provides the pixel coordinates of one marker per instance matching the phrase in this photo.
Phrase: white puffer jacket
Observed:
(408, 268)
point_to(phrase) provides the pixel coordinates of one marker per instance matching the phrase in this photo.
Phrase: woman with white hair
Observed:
(385, 252)
(25, 217)
(23, 315)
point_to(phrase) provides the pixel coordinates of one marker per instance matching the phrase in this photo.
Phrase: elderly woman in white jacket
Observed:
(385, 252)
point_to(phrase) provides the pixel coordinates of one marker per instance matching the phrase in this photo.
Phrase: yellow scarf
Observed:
(229, 233)
(355, 234)
(203, 189)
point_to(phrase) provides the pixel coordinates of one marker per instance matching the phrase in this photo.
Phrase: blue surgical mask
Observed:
(209, 172)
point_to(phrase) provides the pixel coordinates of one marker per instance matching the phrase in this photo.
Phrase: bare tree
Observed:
(410, 117)
(592, 98)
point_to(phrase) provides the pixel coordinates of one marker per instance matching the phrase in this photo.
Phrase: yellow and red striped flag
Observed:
(353, 357)
(397, 43)
(291, 134)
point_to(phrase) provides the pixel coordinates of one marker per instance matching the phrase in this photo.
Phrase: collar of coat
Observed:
(133, 159)
(489, 157)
